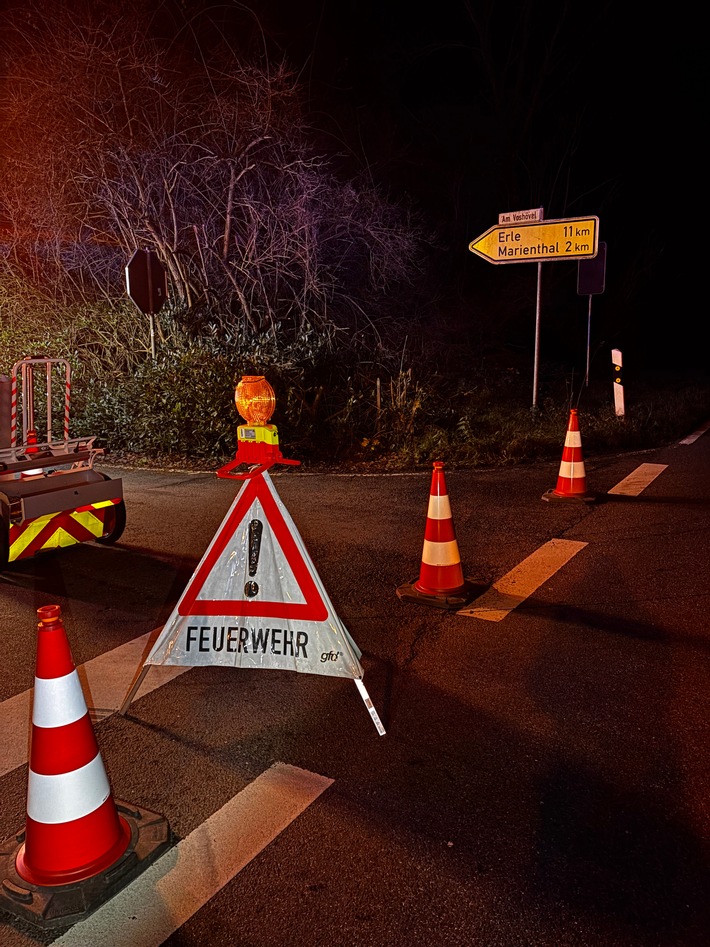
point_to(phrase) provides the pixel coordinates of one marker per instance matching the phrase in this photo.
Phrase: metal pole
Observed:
(48, 369)
(151, 317)
(127, 700)
(13, 409)
(379, 407)
(537, 338)
(28, 402)
(67, 400)
(589, 336)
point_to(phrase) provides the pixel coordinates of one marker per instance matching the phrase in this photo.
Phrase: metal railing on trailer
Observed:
(50, 494)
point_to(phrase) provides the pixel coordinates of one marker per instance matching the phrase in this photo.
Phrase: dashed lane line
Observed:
(171, 890)
(638, 480)
(105, 681)
(520, 583)
(696, 434)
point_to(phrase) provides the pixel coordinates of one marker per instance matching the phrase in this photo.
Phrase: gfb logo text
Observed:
(329, 656)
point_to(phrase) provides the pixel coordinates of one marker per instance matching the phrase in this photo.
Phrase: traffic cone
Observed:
(441, 581)
(572, 478)
(79, 846)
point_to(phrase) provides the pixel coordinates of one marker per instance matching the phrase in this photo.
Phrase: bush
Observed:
(400, 405)
(181, 407)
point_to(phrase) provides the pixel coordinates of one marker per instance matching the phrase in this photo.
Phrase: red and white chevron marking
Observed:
(55, 530)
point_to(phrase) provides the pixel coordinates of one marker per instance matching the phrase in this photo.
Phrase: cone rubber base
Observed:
(448, 600)
(60, 906)
(580, 497)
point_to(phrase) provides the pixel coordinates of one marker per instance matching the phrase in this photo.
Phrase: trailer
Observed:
(50, 495)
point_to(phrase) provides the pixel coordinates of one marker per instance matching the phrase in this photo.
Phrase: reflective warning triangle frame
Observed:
(220, 568)
(312, 609)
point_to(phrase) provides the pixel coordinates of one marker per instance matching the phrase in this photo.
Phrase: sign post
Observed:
(591, 276)
(524, 237)
(536, 359)
(147, 286)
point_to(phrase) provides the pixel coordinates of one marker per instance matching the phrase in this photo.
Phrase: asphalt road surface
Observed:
(544, 777)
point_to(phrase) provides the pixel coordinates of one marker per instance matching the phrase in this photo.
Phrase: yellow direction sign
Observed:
(571, 238)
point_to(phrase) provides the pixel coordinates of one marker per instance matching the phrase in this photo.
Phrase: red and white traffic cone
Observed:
(73, 828)
(441, 580)
(77, 840)
(572, 477)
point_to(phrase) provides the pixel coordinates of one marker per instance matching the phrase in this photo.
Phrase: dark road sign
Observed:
(146, 281)
(591, 274)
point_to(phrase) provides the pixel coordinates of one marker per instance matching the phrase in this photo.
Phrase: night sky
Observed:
(475, 108)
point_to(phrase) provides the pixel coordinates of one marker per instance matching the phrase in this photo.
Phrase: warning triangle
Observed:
(285, 586)
(256, 600)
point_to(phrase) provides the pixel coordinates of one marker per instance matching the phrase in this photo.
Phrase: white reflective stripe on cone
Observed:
(440, 554)
(439, 508)
(53, 800)
(58, 701)
(573, 439)
(572, 470)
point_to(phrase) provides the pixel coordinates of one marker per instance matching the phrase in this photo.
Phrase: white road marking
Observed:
(638, 480)
(520, 583)
(696, 434)
(171, 890)
(105, 681)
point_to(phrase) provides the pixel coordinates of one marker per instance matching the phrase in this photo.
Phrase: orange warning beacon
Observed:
(257, 440)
